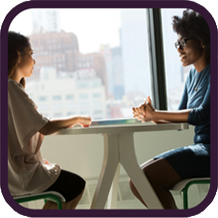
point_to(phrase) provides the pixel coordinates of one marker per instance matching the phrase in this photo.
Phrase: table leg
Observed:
(130, 164)
(112, 197)
(109, 167)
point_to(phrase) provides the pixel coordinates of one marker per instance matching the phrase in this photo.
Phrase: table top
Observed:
(121, 126)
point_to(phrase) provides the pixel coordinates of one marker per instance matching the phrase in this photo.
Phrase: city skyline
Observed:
(126, 64)
(67, 18)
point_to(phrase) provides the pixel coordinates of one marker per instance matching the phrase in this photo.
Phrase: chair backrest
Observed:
(41, 195)
(182, 184)
(47, 196)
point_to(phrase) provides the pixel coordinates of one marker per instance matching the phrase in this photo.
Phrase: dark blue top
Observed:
(200, 102)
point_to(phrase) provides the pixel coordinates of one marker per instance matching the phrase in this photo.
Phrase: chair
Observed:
(184, 185)
(47, 196)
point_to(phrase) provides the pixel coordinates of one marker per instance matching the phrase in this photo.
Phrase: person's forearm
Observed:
(56, 125)
(177, 116)
(160, 121)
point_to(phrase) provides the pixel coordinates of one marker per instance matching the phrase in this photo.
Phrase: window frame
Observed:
(156, 56)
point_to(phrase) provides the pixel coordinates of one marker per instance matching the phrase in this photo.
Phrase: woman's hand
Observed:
(145, 111)
(139, 112)
(85, 121)
(148, 100)
(149, 112)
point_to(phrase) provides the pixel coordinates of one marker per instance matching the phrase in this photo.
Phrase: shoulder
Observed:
(16, 91)
(13, 85)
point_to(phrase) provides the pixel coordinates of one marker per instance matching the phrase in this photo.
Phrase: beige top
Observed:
(28, 173)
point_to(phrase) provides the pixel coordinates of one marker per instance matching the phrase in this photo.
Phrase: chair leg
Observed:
(58, 202)
(185, 198)
(59, 205)
(185, 190)
(55, 199)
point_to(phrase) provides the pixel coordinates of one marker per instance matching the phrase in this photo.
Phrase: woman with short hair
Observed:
(167, 169)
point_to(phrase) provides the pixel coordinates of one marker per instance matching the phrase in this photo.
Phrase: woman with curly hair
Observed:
(167, 169)
(28, 172)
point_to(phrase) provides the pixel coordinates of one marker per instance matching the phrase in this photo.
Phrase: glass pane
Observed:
(88, 61)
(175, 73)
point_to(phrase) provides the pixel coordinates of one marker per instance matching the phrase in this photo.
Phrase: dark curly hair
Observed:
(16, 43)
(193, 25)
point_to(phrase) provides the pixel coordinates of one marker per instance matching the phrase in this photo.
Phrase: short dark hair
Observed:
(193, 25)
(16, 43)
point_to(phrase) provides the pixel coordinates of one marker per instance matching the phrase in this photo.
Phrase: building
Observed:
(45, 21)
(55, 49)
(65, 94)
(105, 51)
(134, 44)
(114, 67)
(94, 61)
(60, 50)
(117, 72)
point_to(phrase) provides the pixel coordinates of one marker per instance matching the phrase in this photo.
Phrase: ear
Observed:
(19, 56)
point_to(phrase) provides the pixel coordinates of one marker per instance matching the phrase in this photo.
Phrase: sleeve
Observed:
(201, 114)
(184, 99)
(25, 119)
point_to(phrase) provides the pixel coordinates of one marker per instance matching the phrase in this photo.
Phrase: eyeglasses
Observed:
(182, 42)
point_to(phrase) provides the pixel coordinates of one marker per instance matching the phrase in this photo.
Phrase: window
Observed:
(83, 104)
(56, 98)
(111, 66)
(83, 96)
(57, 106)
(97, 112)
(69, 97)
(58, 114)
(42, 98)
(96, 95)
(43, 106)
(97, 104)
(70, 113)
(84, 112)
(96, 83)
(70, 105)
(82, 84)
(175, 73)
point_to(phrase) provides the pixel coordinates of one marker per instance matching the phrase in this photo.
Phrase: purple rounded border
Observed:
(109, 4)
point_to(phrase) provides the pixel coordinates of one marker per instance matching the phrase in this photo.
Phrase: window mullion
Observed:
(158, 82)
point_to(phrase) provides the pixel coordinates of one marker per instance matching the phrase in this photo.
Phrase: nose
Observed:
(179, 48)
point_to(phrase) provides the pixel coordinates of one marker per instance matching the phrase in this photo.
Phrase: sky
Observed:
(91, 26)
(85, 23)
